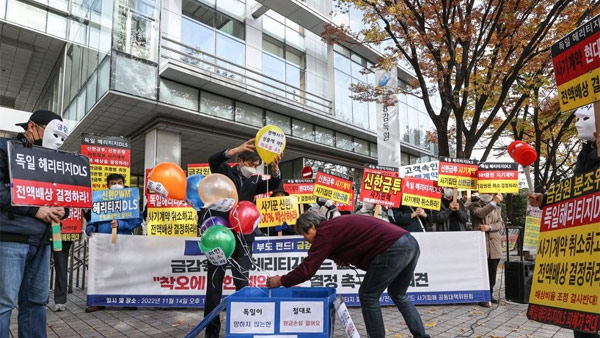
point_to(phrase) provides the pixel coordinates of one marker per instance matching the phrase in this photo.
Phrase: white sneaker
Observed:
(59, 307)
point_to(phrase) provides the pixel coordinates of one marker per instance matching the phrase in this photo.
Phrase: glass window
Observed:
(343, 102)
(373, 147)
(27, 15)
(103, 76)
(341, 62)
(361, 146)
(198, 36)
(294, 38)
(273, 28)
(231, 50)
(57, 25)
(80, 105)
(91, 92)
(372, 116)
(280, 121)
(274, 67)
(216, 105)
(360, 113)
(178, 94)
(234, 8)
(248, 114)
(273, 48)
(344, 141)
(324, 136)
(230, 26)
(135, 77)
(198, 12)
(302, 129)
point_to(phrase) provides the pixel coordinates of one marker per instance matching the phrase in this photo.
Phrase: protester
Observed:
(326, 208)
(284, 228)
(409, 218)
(248, 184)
(124, 226)
(452, 215)
(25, 236)
(369, 209)
(387, 253)
(486, 216)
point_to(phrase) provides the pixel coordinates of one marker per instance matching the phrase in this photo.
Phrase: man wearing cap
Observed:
(25, 234)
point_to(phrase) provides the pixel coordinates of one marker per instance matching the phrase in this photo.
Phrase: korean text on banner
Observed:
(115, 204)
(346, 207)
(45, 177)
(576, 59)
(427, 170)
(169, 217)
(108, 155)
(388, 122)
(70, 227)
(177, 274)
(201, 168)
(302, 189)
(333, 186)
(277, 210)
(532, 229)
(421, 193)
(381, 185)
(458, 173)
(494, 178)
(566, 279)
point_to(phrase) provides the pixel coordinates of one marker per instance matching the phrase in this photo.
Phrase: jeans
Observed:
(214, 290)
(392, 269)
(24, 274)
(61, 267)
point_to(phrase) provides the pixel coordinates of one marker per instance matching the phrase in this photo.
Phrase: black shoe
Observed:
(94, 308)
(494, 300)
(130, 307)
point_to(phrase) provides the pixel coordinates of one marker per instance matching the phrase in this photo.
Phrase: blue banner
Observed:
(115, 204)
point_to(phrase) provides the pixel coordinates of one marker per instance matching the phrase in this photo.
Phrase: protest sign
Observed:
(566, 279)
(202, 168)
(71, 226)
(115, 204)
(427, 170)
(277, 210)
(108, 155)
(302, 189)
(494, 178)
(333, 186)
(576, 59)
(532, 229)
(45, 177)
(381, 185)
(346, 207)
(421, 193)
(458, 173)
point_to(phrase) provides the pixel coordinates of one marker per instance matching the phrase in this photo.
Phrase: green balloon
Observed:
(218, 236)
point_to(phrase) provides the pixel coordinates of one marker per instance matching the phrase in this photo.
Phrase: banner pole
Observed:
(113, 235)
(56, 237)
(377, 210)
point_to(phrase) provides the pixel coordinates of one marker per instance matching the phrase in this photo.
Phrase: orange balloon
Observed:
(168, 180)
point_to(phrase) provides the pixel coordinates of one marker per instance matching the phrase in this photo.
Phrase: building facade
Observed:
(186, 78)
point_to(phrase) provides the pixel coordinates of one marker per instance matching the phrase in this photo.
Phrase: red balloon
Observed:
(244, 217)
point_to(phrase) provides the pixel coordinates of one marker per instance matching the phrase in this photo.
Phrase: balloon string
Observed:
(239, 269)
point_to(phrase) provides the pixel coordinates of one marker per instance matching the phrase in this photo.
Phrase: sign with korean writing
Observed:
(302, 189)
(427, 170)
(333, 186)
(458, 173)
(177, 274)
(346, 207)
(388, 122)
(576, 59)
(532, 229)
(305, 316)
(70, 227)
(115, 204)
(566, 279)
(108, 155)
(277, 210)
(45, 177)
(494, 178)
(202, 168)
(247, 317)
(169, 217)
(421, 193)
(381, 185)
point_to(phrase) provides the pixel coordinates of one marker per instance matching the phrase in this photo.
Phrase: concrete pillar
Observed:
(162, 146)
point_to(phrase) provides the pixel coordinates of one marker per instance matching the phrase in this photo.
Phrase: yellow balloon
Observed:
(270, 143)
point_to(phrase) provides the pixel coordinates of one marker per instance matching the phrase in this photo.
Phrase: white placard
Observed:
(258, 317)
(216, 256)
(345, 318)
(301, 317)
(388, 122)
(223, 205)
(272, 141)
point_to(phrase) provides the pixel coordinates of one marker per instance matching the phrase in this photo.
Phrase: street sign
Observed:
(307, 172)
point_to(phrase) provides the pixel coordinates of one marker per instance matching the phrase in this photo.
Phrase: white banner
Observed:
(171, 271)
(388, 123)
(426, 170)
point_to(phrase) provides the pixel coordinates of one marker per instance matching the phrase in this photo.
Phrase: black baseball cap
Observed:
(280, 189)
(41, 118)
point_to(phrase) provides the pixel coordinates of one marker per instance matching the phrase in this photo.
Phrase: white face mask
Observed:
(449, 193)
(586, 123)
(116, 187)
(55, 134)
(486, 197)
(248, 171)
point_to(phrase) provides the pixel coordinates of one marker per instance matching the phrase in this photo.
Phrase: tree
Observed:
(484, 57)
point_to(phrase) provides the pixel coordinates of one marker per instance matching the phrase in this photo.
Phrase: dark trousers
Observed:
(578, 334)
(214, 290)
(492, 269)
(61, 266)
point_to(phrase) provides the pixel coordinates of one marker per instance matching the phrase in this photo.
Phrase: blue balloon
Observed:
(192, 198)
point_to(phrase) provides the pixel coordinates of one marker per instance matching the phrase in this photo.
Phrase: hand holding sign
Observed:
(270, 143)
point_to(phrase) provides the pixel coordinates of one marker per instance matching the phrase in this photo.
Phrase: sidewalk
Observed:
(503, 320)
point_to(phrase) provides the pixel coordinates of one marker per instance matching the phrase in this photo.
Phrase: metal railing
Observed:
(175, 50)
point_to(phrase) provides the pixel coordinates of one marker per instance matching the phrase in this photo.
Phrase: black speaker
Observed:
(518, 281)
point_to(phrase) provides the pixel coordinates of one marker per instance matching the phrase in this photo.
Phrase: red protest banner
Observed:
(457, 173)
(301, 188)
(333, 186)
(108, 155)
(381, 185)
(421, 193)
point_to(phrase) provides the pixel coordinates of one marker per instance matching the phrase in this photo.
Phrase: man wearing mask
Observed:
(25, 236)
(452, 215)
(123, 226)
(248, 184)
(486, 216)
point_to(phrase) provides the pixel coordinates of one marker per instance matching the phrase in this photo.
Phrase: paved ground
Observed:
(503, 320)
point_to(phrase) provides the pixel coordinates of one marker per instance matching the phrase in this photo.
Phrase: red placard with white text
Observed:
(333, 186)
(421, 193)
(301, 188)
(381, 185)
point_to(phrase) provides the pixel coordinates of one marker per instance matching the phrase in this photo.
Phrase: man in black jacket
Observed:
(248, 184)
(452, 215)
(24, 237)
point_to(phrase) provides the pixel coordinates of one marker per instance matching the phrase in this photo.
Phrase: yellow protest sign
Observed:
(333, 186)
(178, 222)
(277, 210)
